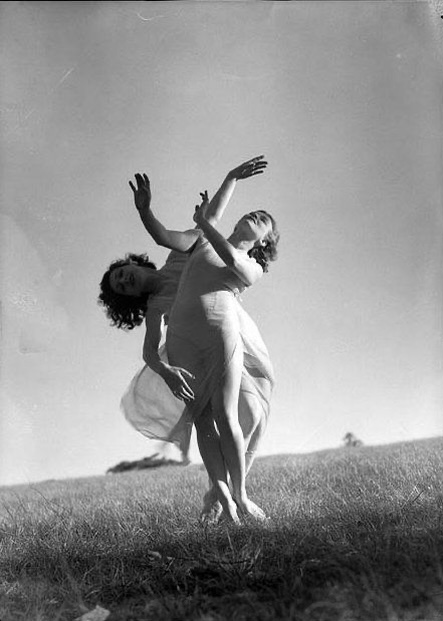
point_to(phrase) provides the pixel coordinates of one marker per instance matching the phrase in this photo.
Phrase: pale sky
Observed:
(343, 98)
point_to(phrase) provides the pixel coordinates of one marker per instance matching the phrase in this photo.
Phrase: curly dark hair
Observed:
(124, 311)
(267, 253)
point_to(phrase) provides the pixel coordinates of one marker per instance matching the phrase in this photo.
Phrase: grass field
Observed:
(356, 534)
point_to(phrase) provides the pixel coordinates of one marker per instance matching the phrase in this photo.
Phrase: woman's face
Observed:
(129, 279)
(257, 224)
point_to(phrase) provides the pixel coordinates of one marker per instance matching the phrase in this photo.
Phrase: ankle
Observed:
(240, 496)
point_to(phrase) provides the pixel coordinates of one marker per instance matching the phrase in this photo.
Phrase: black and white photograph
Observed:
(221, 288)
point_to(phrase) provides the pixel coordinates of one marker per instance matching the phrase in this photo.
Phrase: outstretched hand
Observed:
(200, 210)
(256, 166)
(142, 193)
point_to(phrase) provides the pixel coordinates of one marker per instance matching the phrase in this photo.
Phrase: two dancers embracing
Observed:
(214, 370)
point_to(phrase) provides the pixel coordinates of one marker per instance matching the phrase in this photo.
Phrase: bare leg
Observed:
(212, 507)
(252, 421)
(225, 408)
(180, 354)
(209, 445)
(253, 442)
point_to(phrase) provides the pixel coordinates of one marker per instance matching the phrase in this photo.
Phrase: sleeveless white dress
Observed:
(206, 326)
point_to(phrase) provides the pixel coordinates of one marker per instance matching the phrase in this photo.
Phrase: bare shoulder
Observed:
(254, 264)
(247, 268)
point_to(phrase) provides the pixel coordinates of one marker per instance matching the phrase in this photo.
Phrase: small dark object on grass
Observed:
(153, 461)
(351, 441)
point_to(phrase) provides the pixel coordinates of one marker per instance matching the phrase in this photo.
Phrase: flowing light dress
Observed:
(207, 326)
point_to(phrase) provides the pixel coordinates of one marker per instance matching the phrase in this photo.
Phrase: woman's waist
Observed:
(206, 297)
(212, 306)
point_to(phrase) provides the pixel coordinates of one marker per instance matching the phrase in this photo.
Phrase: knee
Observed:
(227, 422)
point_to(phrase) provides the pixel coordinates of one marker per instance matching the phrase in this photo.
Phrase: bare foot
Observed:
(211, 514)
(209, 498)
(249, 509)
(213, 509)
(230, 512)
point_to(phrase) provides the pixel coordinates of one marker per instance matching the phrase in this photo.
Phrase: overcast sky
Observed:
(343, 98)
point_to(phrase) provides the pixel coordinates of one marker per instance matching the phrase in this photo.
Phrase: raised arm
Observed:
(176, 378)
(175, 240)
(221, 198)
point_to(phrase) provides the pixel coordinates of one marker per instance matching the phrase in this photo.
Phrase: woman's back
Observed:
(171, 273)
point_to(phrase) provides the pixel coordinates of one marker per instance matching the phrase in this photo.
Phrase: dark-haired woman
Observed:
(133, 291)
(153, 410)
(125, 289)
(211, 336)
